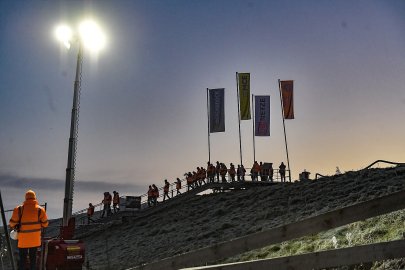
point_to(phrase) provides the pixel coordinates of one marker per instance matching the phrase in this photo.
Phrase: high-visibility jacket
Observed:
(116, 199)
(33, 217)
(189, 180)
(166, 188)
(107, 199)
(156, 192)
(256, 168)
(90, 211)
(223, 170)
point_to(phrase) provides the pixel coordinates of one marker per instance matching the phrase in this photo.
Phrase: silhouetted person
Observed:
(116, 202)
(155, 195)
(178, 186)
(166, 190)
(90, 213)
(107, 204)
(217, 170)
(282, 171)
(150, 196)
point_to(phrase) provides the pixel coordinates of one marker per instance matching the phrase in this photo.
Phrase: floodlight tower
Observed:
(89, 36)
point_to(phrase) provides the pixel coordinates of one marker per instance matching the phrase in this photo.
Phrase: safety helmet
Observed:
(30, 195)
(14, 234)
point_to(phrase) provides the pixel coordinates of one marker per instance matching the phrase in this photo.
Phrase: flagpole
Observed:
(253, 124)
(208, 120)
(285, 136)
(240, 140)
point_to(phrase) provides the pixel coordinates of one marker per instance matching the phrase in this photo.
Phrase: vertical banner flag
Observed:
(287, 95)
(217, 110)
(262, 115)
(244, 95)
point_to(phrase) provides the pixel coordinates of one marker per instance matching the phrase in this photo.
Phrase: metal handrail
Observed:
(184, 188)
(369, 166)
(384, 161)
(318, 174)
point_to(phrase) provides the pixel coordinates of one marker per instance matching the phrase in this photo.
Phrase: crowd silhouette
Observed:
(218, 173)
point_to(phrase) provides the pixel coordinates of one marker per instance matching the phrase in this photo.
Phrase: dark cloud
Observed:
(13, 181)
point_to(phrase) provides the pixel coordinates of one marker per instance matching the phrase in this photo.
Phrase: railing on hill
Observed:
(318, 175)
(384, 161)
(173, 192)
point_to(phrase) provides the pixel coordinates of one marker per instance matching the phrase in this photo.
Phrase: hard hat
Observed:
(14, 234)
(30, 195)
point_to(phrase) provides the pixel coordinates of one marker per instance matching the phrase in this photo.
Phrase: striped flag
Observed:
(287, 88)
(262, 115)
(244, 95)
(217, 110)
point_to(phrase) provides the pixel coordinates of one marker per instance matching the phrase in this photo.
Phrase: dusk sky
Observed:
(143, 114)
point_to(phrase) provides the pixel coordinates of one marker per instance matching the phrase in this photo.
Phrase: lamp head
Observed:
(64, 34)
(89, 34)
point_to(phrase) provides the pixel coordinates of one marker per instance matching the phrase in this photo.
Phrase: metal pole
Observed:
(253, 124)
(70, 170)
(10, 251)
(208, 120)
(240, 140)
(285, 136)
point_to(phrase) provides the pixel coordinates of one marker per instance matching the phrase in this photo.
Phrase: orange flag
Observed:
(287, 88)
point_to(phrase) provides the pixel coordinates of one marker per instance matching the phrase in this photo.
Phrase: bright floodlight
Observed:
(91, 35)
(64, 34)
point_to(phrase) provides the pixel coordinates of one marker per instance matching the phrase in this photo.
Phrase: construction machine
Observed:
(65, 252)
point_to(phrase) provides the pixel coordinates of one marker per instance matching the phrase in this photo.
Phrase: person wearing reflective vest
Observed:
(189, 178)
(116, 201)
(178, 186)
(30, 217)
(166, 190)
(232, 172)
(90, 213)
(107, 204)
(155, 194)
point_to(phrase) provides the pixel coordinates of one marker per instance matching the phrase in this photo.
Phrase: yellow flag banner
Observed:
(244, 95)
(287, 88)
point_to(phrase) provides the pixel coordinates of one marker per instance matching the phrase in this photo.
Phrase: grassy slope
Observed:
(205, 220)
(374, 230)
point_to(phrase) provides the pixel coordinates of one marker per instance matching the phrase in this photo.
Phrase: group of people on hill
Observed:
(217, 172)
(197, 178)
(107, 200)
(266, 171)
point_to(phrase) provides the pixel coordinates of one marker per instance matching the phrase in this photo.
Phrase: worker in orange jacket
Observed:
(90, 213)
(166, 190)
(255, 171)
(189, 178)
(223, 172)
(107, 204)
(232, 172)
(116, 202)
(30, 217)
(178, 186)
(155, 194)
